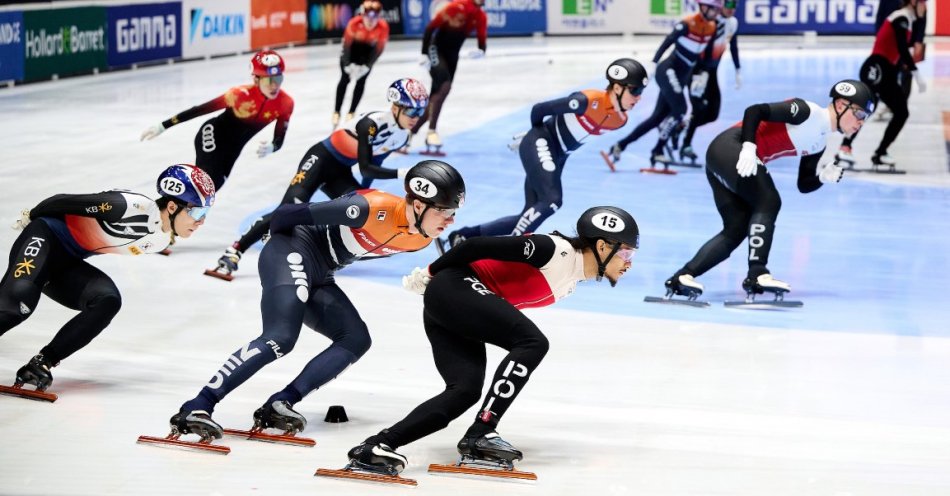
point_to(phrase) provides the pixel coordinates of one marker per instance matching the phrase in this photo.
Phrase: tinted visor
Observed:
(414, 112)
(278, 79)
(197, 213)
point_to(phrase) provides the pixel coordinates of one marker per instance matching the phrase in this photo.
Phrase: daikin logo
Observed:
(215, 25)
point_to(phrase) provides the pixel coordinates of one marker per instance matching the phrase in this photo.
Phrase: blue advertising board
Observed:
(505, 17)
(797, 16)
(143, 32)
(12, 46)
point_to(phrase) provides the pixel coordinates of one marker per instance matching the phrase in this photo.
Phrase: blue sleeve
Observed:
(575, 103)
(349, 210)
(671, 38)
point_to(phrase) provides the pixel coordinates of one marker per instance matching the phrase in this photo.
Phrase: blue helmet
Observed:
(408, 93)
(187, 184)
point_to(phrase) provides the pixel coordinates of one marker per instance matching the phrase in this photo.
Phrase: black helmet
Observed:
(609, 223)
(855, 92)
(627, 72)
(436, 183)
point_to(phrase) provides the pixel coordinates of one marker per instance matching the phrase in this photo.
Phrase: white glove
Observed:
(424, 61)
(23, 221)
(476, 53)
(265, 149)
(921, 85)
(738, 80)
(748, 163)
(360, 71)
(417, 280)
(830, 173)
(349, 69)
(516, 141)
(697, 85)
(401, 173)
(152, 132)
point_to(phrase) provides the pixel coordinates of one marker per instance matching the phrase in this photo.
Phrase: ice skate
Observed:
(335, 119)
(372, 462)
(681, 285)
(433, 145)
(227, 264)
(276, 415)
(193, 422)
(612, 156)
(487, 455)
(349, 116)
(37, 373)
(844, 158)
(687, 153)
(885, 164)
(658, 156)
(764, 283)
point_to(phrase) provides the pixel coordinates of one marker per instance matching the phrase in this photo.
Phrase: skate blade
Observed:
(764, 305)
(173, 442)
(676, 301)
(256, 435)
(484, 472)
(878, 170)
(165, 252)
(691, 165)
(29, 394)
(654, 170)
(219, 275)
(432, 153)
(610, 163)
(364, 476)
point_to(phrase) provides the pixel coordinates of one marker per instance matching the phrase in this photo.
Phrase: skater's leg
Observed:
(892, 95)
(341, 89)
(87, 289)
(358, 89)
(33, 260)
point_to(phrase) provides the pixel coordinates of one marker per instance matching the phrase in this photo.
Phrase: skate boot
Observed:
(279, 415)
(765, 283)
(488, 448)
(36, 372)
(227, 264)
(350, 115)
(687, 153)
(658, 156)
(335, 119)
(615, 152)
(376, 458)
(883, 159)
(433, 144)
(683, 285)
(196, 422)
(456, 239)
(844, 157)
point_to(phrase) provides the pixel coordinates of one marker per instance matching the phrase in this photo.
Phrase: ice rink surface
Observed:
(847, 396)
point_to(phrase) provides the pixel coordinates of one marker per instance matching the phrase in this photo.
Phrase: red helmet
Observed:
(373, 6)
(267, 63)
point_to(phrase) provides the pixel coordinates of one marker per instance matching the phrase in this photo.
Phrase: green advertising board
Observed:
(64, 41)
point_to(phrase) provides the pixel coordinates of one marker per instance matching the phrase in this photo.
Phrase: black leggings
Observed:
(40, 264)
(318, 169)
(357, 89)
(670, 106)
(883, 78)
(748, 207)
(705, 107)
(460, 316)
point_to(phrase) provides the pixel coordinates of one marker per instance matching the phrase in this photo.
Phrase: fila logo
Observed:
(234, 361)
(381, 215)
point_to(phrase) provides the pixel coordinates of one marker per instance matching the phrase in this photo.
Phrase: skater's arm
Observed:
(808, 173)
(383, 28)
(109, 206)
(366, 130)
(535, 250)
(901, 26)
(575, 103)
(283, 122)
(207, 107)
(734, 50)
(433, 25)
(671, 38)
(482, 30)
(333, 212)
(794, 111)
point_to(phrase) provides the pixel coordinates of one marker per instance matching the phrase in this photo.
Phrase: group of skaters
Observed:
(473, 293)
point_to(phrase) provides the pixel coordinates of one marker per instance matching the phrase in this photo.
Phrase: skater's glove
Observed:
(417, 280)
(360, 71)
(921, 84)
(152, 132)
(401, 173)
(424, 61)
(830, 173)
(516, 141)
(265, 149)
(748, 163)
(349, 69)
(23, 221)
(476, 53)
(738, 80)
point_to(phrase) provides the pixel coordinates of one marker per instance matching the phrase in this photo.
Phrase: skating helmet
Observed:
(267, 63)
(187, 184)
(610, 224)
(730, 4)
(712, 3)
(372, 8)
(408, 93)
(436, 183)
(629, 73)
(855, 92)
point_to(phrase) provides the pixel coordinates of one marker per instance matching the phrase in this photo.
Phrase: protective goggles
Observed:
(626, 253)
(278, 79)
(197, 213)
(859, 113)
(413, 112)
(445, 212)
(635, 90)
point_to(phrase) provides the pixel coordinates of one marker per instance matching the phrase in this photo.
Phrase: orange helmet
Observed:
(267, 63)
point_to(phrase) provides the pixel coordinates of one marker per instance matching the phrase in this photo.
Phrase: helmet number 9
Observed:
(172, 186)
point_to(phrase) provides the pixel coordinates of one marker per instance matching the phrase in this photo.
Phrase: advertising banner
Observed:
(328, 18)
(143, 32)
(592, 16)
(215, 27)
(64, 41)
(941, 13)
(659, 16)
(797, 16)
(278, 22)
(11, 46)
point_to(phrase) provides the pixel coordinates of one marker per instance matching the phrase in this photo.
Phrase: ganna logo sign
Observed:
(805, 11)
